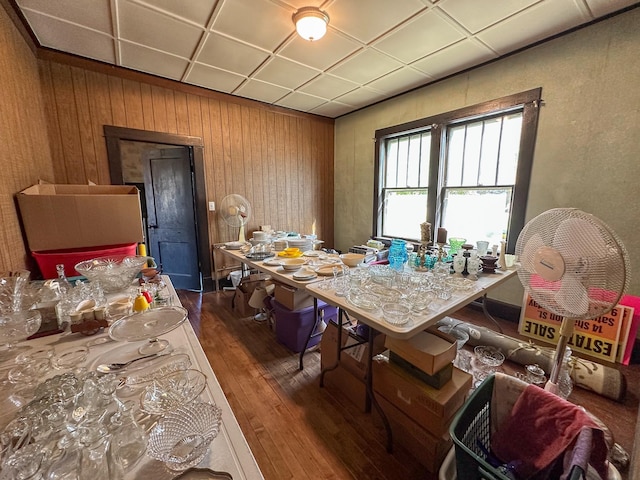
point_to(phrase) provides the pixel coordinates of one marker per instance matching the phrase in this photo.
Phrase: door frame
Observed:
(113, 136)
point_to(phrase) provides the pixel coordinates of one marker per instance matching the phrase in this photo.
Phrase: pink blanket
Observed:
(541, 429)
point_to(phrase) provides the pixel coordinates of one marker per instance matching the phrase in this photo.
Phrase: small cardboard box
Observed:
(291, 297)
(430, 450)
(430, 351)
(240, 304)
(430, 407)
(353, 359)
(57, 217)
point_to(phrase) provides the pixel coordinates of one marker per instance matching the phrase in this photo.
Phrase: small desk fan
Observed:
(236, 212)
(573, 265)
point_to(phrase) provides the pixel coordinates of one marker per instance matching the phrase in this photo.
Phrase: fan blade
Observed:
(529, 251)
(573, 297)
(578, 238)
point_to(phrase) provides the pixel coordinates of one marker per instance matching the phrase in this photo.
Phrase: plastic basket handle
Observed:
(487, 475)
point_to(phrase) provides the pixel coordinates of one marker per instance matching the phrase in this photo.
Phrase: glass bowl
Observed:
(172, 391)
(181, 439)
(396, 313)
(17, 326)
(114, 272)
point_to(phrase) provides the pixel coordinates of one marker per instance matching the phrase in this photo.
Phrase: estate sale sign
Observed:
(598, 337)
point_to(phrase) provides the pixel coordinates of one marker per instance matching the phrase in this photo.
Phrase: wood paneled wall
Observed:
(23, 135)
(281, 161)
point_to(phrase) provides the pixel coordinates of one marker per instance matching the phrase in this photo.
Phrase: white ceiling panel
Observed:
(245, 58)
(457, 57)
(214, 78)
(373, 49)
(72, 38)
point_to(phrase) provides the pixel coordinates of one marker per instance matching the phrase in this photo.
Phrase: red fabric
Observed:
(540, 429)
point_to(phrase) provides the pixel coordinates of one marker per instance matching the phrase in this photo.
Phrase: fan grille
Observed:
(235, 210)
(593, 274)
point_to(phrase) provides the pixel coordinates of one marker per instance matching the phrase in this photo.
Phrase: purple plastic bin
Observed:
(292, 326)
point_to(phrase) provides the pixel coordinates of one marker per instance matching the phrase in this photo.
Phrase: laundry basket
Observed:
(472, 427)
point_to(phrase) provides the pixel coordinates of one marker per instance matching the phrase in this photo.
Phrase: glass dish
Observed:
(158, 368)
(172, 391)
(114, 272)
(149, 324)
(396, 313)
(181, 439)
(365, 301)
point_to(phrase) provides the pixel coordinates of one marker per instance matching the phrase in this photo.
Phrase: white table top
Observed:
(437, 309)
(276, 272)
(229, 451)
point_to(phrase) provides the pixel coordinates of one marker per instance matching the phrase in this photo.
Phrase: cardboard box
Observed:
(437, 380)
(430, 407)
(341, 382)
(291, 297)
(353, 359)
(430, 350)
(240, 304)
(430, 450)
(57, 217)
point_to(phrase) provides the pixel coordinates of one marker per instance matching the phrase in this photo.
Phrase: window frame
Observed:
(528, 101)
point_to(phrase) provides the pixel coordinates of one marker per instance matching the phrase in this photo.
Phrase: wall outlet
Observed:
(212, 206)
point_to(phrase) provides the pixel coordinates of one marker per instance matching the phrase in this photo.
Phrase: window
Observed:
(467, 171)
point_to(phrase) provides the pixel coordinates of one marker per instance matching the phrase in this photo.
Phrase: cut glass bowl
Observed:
(181, 439)
(396, 313)
(114, 272)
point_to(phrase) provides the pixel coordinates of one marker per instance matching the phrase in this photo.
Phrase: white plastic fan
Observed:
(573, 265)
(236, 212)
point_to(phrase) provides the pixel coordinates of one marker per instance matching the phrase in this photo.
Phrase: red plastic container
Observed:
(292, 326)
(47, 260)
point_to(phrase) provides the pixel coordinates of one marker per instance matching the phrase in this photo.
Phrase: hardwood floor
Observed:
(297, 430)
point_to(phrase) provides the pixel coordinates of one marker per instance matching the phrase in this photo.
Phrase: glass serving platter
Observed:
(157, 368)
(149, 324)
(172, 391)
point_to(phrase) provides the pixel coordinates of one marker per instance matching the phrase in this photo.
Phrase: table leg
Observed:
(371, 399)
(316, 322)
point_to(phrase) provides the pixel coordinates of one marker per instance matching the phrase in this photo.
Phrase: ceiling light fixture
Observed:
(311, 23)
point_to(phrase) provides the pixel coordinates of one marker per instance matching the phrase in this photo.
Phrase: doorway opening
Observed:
(168, 169)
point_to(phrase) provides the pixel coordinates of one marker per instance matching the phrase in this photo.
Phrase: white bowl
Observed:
(293, 264)
(352, 259)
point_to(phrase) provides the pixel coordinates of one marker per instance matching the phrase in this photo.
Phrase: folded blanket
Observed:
(541, 429)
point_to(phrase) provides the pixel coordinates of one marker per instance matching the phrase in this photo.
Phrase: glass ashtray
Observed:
(70, 357)
(172, 391)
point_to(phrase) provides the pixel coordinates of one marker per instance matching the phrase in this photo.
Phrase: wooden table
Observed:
(229, 451)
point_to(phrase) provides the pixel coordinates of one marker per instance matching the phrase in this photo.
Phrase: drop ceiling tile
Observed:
(361, 97)
(332, 109)
(423, 35)
(322, 54)
(604, 7)
(366, 65)
(374, 17)
(457, 57)
(262, 91)
(534, 24)
(152, 61)
(300, 101)
(399, 81)
(213, 78)
(94, 14)
(258, 22)
(285, 73)
(475, 15)
(327, 86)
(196, 11)
(228, 54)
(71, 38)
(149, 28)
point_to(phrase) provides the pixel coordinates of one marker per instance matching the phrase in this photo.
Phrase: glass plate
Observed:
(364, 301)
(149, 324)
